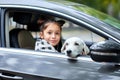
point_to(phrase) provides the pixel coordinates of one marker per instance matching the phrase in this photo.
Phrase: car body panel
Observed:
(55, 66)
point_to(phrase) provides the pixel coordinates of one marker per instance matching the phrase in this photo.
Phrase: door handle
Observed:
(7, 76)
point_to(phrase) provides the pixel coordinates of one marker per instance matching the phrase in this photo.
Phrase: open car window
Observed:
(17, 21)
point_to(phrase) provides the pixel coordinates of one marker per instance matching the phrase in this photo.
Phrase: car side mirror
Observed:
(105, 51)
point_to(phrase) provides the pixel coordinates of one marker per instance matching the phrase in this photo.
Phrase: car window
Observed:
(69, 29)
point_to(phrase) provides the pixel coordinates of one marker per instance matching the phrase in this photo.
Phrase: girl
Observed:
(50, 36)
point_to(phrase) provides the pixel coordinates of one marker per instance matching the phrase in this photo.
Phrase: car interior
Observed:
(24, 30)
(21, 37)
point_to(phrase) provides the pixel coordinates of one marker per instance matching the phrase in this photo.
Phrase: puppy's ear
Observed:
(63, 47)
(86, 49)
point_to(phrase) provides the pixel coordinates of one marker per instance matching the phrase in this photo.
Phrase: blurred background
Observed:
(111, 7)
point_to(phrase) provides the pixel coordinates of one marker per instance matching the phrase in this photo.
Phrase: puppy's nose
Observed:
(68, 52)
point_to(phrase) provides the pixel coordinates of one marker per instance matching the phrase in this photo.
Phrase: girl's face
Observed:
(51, 34)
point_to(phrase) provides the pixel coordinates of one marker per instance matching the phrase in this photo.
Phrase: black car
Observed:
(19, 29)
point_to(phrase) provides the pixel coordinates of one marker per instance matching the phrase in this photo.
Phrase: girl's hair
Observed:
(60, 24)
(46, 23)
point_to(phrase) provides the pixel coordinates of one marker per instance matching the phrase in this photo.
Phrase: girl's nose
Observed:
(53, 35)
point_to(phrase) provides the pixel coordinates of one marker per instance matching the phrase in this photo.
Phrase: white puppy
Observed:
(74, 47)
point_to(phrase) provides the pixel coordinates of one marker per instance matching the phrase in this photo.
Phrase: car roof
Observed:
(64, 6)
(33, 2)
(37, 3)
(47, 4)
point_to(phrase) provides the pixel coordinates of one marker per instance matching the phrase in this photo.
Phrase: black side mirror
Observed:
(105, 51)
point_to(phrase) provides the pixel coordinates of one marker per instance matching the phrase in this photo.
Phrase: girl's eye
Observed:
(57, 33)
(49, 32)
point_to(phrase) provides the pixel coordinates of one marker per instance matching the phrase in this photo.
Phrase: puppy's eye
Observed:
(76, 44)
(66, 44)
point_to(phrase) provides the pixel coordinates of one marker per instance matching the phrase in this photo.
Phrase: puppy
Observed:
(74, 47)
